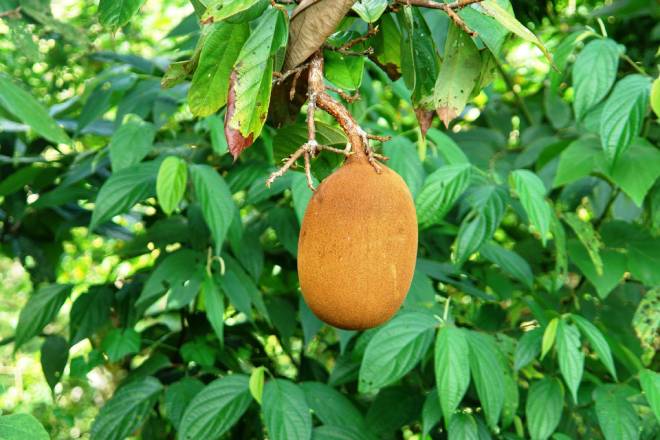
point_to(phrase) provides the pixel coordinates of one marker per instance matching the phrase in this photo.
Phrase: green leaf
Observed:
(570, 356)
(582, 157)
(623, 115)
(431, 412)
(256, 384)
(393, 408)
(89, 312)
(440, 191)
(387, 45)
(616, 416)
(23, 106)
(215, 409)
(126, 410)
(123, 190)
(370, 10)
(395, 349)
(544, 407)
(489, 30)
(597, 341)
(458, 76)
(210, 83)
(199, 352)
(646, 322)
(131, 142)
(509, 261)
(178, 396)
(452, 369)
(487, 375)
(20, 427)
(41, 308)
(215, 307)
(119, 343)
(448, 149)
(650, 381)
(171, 183)
(463, 427)
(215, 199)
(531, 191)
(588, 237)
(594, 73)
(344, 71)
(506, 19)
(419, 58)
(234, 11)
(117, 13)
(328, 432)
(655, 97)
(527, 348)
(253, 75)
(332, 407)
(549, 336)
(405, 161)
(54, 355)
(614, 267)
(285, 411)
(301, 194)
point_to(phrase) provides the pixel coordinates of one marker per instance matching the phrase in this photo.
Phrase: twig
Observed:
(12, 13)
(370, 33)
(448, 8)
(345, 96)
(281, 77)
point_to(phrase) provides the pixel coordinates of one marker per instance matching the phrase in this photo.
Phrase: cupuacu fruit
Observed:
(358, 246)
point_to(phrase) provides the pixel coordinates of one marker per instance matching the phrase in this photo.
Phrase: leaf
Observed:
(178, 271)
(655, 97)
(431, 412)
(393, 408)
(89, 312)
(331, 432)
(440, 191)
(614, 267)
(623, 115)
(171, 183)
(487, 375)
(506, 19)
(301, 194)
(119, 343)
(117, 13)
(594, 73)
(589, 238)
(463, 427)
(41, 308)
(531, 191)
(285, 411)
(131, 142)
(199, 352)
(370, 10)
(549, 336)
(489, 30)
(178, 396)
(54, 355)
(419, 58)
(215, 199)
(452, 369)
(527, 348)
(215, 409)
(616, 416)
(215, 307)
(234, 11)
(251, 81)
(544, 407)
(458, 76)
(23, 106)
(210, 83)
(405, 161)
(256, 384)
(395, 349)
(597, 341)
(20, 427)
(570, 356)
(126, 410)
(646, 322)
(650, 381)
(123, 190)
(448, 149)
(332, 407)
(579, 159)
(510, 262)
(344, 71)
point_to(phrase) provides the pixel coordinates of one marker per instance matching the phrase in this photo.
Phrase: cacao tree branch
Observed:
(448, 8)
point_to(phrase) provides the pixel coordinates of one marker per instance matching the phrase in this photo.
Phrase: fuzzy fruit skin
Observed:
(358, 246)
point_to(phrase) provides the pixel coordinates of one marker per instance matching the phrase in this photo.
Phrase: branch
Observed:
(12, 13)
(448, 8)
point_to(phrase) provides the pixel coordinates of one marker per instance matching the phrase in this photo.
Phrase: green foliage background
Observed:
(148, 280)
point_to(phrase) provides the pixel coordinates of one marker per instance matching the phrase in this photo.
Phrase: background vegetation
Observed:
(148, 280)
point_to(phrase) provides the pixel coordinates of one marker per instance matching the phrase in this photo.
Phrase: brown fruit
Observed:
(358, 246)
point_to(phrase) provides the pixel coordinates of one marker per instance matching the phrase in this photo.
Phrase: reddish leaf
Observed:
(425, 119)
(235, 140)
(446, 115)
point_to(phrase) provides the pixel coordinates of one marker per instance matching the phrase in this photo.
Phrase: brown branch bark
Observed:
(448, 8)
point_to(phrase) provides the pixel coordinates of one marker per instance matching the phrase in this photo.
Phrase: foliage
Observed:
(167, 267)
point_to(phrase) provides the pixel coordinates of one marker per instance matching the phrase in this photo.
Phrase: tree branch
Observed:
(448, 8)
